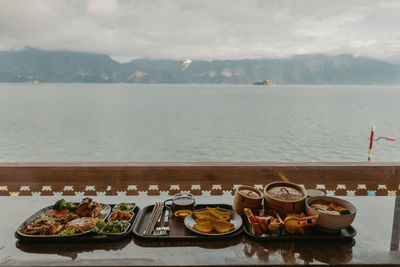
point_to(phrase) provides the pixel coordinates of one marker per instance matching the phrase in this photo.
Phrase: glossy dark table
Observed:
(375, 242)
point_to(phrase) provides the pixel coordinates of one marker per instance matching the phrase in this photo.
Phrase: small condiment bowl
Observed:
(314, 193)
(329, 222)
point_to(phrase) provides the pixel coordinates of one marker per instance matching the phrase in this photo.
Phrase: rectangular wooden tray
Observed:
(178, 230)
(85, 237)
(312, 233)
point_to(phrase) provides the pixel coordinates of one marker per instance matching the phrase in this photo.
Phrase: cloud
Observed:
(206, 29)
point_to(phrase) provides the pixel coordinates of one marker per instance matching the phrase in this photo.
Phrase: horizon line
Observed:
(25, 48)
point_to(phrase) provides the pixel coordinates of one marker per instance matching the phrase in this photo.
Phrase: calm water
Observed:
(124, 122)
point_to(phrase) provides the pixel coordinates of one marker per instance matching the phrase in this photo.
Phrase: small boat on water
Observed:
(265, 82)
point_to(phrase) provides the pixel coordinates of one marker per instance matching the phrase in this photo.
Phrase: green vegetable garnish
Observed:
(344, 212)
(126, 206)
(115, 227)
(69, 232)
(62, 204)
(71, 206)
(97, 229)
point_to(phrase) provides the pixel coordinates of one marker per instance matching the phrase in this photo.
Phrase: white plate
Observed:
(235, 219)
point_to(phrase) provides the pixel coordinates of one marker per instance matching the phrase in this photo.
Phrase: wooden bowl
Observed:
(286, 203)
(241, 200)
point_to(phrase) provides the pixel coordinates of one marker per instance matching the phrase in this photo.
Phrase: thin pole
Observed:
(371, 141)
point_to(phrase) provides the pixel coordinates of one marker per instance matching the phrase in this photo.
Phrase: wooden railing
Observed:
(105, 178)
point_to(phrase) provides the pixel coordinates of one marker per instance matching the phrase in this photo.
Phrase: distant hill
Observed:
(30, 65)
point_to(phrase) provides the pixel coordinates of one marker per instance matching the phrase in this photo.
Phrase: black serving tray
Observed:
(312, 233)
(83, 237)
(178, 230)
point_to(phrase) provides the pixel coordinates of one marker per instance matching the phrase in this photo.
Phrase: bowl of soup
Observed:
(333, 213)
(284, 197)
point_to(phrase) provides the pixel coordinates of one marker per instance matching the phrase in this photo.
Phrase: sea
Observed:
(194, 122)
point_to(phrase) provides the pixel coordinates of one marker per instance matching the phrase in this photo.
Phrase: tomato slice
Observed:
(257, 228)
(264, 228)
(57, 213)
(252, 219)
(261, 219)
(250, 216)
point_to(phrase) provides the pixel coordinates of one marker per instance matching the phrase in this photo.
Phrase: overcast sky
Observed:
(202, 29)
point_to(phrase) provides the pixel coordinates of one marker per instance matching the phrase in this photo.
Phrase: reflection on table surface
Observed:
(374, 242)
(290, 252)
(300, 252)
(72, 249)
(200, 244)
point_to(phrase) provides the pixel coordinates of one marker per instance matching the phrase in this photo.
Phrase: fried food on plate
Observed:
(214, 213)
(219, 214)
(213, 219)
(204, 227)
(222, 226)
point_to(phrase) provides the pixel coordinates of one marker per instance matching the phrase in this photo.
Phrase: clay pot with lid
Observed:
(247, 197)
(284, 197)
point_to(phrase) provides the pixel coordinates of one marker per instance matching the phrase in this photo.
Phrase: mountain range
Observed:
(33, 65)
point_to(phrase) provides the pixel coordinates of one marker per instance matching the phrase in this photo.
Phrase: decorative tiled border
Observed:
(196, 189)
(135, 179)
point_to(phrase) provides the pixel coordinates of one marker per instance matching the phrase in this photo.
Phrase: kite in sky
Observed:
(186, 63)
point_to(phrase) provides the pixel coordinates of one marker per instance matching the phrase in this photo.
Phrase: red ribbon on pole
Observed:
(372, 140)
(386, 138)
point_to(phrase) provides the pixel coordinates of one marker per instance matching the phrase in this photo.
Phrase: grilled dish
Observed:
(65, 218)
(89, 208)
(62, 216)
(41, 227)
(82, 224)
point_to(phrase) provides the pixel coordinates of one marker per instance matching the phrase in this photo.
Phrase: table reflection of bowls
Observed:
(329, 222)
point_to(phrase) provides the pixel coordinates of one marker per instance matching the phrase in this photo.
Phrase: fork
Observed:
(166, 217)
(164, 228)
